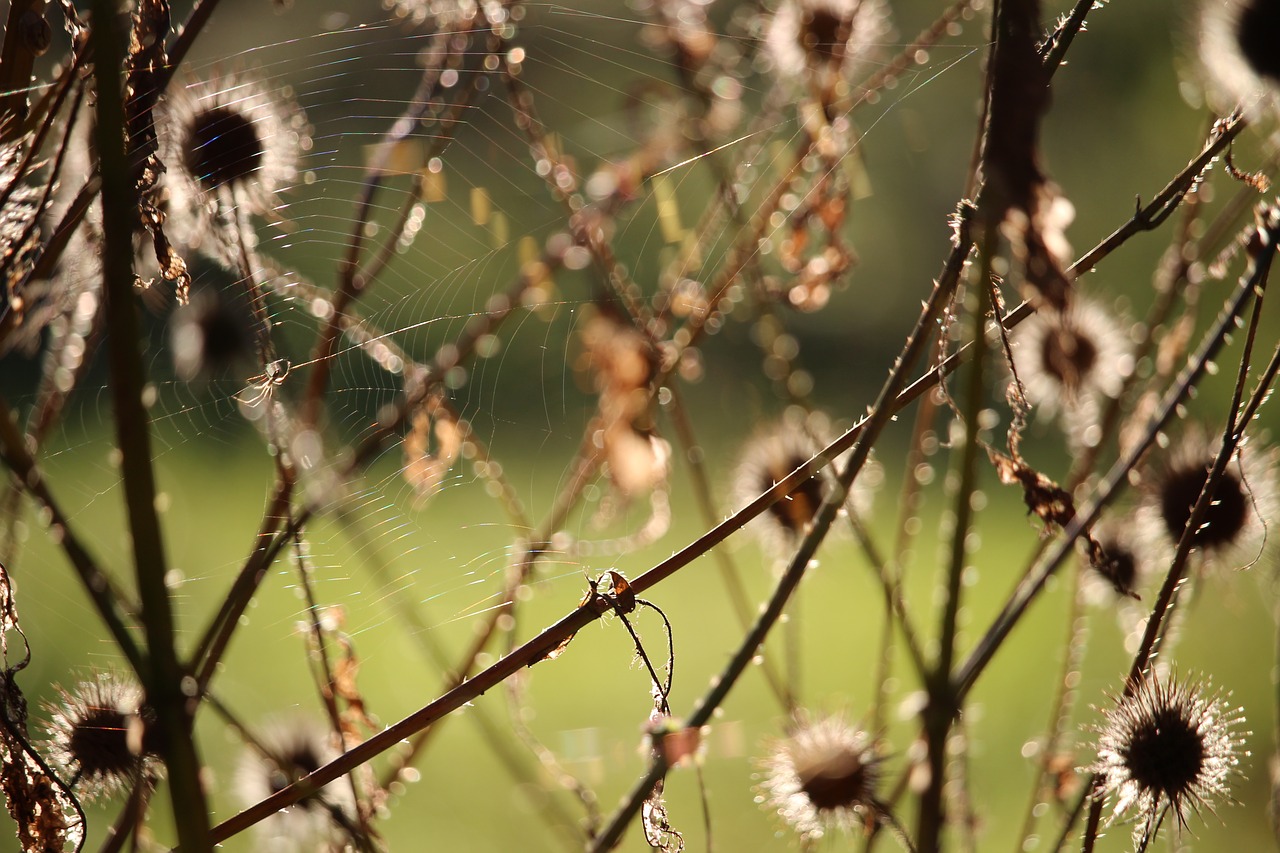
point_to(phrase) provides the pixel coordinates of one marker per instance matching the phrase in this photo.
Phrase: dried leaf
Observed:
(657, 828)
(1048, 501)
(425, 468)
(47, 816)
(145, 69)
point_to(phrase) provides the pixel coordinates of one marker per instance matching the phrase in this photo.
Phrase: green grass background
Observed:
(1119, 128)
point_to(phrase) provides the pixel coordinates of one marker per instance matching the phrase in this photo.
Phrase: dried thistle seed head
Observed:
(1227, 514)
(1068, 356)
(824, 40)
(231, 145)
(209, 337)
(1238, 57)
(768, 458)
(1234, 528)
(1069, 361)
(1258, 33)
(1169, 745)
(101, 738)
(822, 777)
(289, 749)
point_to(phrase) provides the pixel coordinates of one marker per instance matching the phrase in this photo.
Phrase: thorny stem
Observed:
(1255, 281)
(1031, 585)
(169, 689)
(728, 570)
(943, 705)
(877, 420)
(1054, 48)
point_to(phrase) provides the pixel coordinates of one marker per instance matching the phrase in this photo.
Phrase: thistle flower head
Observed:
(826, 38)
(1243, 502)
(769, 457)
(822, 777)
(288, 750)
(209, 337)
(1237, 49)
(1068, 361)
(101, 738)
(231, 145)
(1168, 746)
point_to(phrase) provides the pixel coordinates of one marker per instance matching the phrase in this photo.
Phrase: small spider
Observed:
(266, 382)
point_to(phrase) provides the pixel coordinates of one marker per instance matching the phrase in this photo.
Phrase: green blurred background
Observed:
(1118, 128)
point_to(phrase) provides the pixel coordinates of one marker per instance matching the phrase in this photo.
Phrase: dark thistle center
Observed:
(222, 337)
(797, 509)
(1165, 753)
(1068, 357)
(823, 34)
(1119, 567)
(223, 147)
(295, 765)
(1258, 34)
(100, 744)
(838, 781)
(1227, 512)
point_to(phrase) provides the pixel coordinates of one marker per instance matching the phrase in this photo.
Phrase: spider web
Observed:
(525, 400)
(398, 563)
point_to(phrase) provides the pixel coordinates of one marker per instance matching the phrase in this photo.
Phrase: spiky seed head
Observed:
(826, 39)
(770, 456)
(289, 749)
(101, 736)
(822, 777)
(1167, 745)
(1227, 514)
(1238, 58)
(1071, 360)
(1243, 501)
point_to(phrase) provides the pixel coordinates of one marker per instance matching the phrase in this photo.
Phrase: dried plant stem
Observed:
(492, 734)
(881, 414)
(324, 672)
(17, 59)
(1054, 48)
(943, 703)
(1060, 710)
(1033, 583)
(728, 569)
(130, 818)
(212, 645)
(1254, 280)
(351, 283)
(169, 690)
(895, 605)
